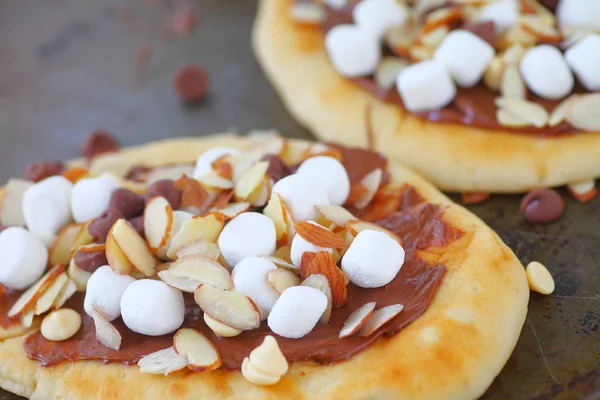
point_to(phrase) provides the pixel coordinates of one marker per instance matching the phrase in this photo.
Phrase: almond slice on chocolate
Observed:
(281, 279)
(444, 16)
(11, 212)
(47, 299)
(324, 264)
(67, 291)
(178, 282)
(219, 328)
(512, 83)
(262, 193)
(26, 301)
(106, 333)
(582, 112)
(172, 172)
(336, 214)
(117, 260)
(212, 180)
(513, 55)
(281, 217)
(206, 227)
(201, 354)
(371, 182)
(540, 27)
(158, 222)
(202, 269)
(200, 247)
(281, 263)
(229, 307)
(388, 70)
(557, 116)
(494, 73)
(319, 282)
(524, 109)
(250, 180)
(134, 247)
(379, 318)
(355, 227)
(162, 362)
(319, 236)
(27, 319)
(83, 237)
(232, 210)
(357, 319)
(60, 250)
(508, 119)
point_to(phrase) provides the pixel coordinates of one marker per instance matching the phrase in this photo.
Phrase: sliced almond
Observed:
(26, 301)
(513, 55)
(539, 278)
(307, 13)
(357, 319)
(193, 194)
(262, 193)
(172, 172)
(379, 318)
(510, 120)
(524, 109)
(219, 328)
(202, 269)
(158, 222)
(250, 180)
(281, 279)
(27, 319)
(388, 70)
(284, 252)
(67, 291)
(117, 260)
(355, 227)
(293, 151)
(582, 112)
(418, 53)
(78, 276)
(319, 236)
(46, 300)
(206, 227)
(200, 247)
(11, 212)
(400, 38)
(134, 247)
(106, 333)
(493, 74)
(319, 282)
(60, 250)
(201, 354)
(323, 263)
(213, 180)
(83, 237)
(444, 16)
(583, 191)
(435, 37)
(162, 362)
(371, 182)
(512, 83)
(336, 214)
(281, 263)
(229, 307)
(558, 114)
(516, 35)
(281, 217)
(541, 28)
(180, 283)
(232, 210)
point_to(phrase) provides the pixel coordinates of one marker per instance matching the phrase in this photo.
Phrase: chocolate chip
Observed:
(36, 171)
(100, 226)
(138, 173)
(129, 203)
(277, 168)
(485, 30)
(191, 83)
(138, 224)
(90, 261)
(98, 142)
(166, 189)
(542, 205)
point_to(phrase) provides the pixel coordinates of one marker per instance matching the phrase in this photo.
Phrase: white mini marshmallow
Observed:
(426, 85)
(249, 234)
(352, 50)
(581, 14)
(47, 207)
(297, 311)
(331, 174)
(377, 16)
(105, 289)
(91, 197)
(503, 13)
(301, 246)
(301, 194)
(584, 59)
(373, 259)
(23, 258)
(250, 278)
(465, 55)
(205, 160)
(152, 308)
(546, 72)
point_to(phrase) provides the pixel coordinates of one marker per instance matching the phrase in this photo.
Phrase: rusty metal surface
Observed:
(67, 67)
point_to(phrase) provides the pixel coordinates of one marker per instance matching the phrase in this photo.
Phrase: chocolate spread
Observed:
(418, 224)
(472, 106)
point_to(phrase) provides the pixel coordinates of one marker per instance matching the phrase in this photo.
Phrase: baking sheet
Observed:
(69, 66)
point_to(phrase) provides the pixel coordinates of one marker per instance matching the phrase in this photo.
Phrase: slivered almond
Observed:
(172, 172)
(180, 283)
(27, 300)
(60, 250)
(510, 120)
(319, 282)
(281, 263)
(557, 116)
(201, 354)
(44, 303)
(206, 227)
(307, 13)
(524, 109)
(355, 227)
(357, 319)
(250, 180)
(192, 193)
(213, 180)
(158, 222)
(493, 74)
(232, 210)
(320, 236)
(388, 70)
(371, 182)
(336, 214)
(202, 269)
(67, 291)
(134, 247)
(219, 328)
(281, 279)
(512, 83)
(117, 260)
(324, 264)
(281, 217)
(106, 333)
(162, 362)
(583, 112)
(379, 318)
(229, 307)
(200, 247)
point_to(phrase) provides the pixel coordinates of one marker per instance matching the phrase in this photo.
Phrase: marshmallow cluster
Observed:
(584, 59)
(249, 234)
(352, 50)
(205, 160)
(23, 258)
(546, 72)
(91, 197)
(465, 55)
(47, 207)
(331, 174)
(377, 16)
(373, 259)
(301, 246)
(105, 289)
(426, 85)
(301, 194)
(250, 278)
(297, 311)
(153, 308)
(503, 13)
(581, 14)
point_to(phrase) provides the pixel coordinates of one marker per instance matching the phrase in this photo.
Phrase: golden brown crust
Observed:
(453, 157)
(453, 351)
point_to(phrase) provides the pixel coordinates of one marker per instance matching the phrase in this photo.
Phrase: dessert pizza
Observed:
(476, 95)
(249, 268)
